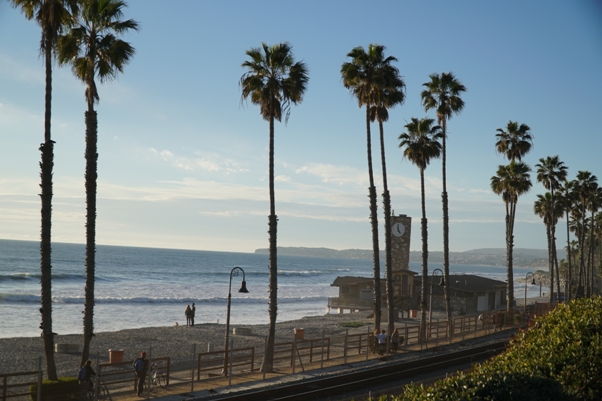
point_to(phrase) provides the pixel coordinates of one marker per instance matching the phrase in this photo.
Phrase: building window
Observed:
(345, 290)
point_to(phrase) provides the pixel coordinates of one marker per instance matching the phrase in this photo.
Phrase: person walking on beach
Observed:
(85, 379)
(382, 342)
(187, 313)
(192, 310)
(141, 369)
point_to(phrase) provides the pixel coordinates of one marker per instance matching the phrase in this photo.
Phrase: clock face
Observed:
(398, 229)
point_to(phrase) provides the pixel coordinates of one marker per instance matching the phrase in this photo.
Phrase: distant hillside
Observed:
(486, 256)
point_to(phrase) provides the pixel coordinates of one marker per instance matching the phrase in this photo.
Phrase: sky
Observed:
(183, 162)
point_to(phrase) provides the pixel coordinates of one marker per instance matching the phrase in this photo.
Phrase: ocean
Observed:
(144, 287)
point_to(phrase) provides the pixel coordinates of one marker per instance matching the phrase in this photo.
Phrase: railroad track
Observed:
(365, 378)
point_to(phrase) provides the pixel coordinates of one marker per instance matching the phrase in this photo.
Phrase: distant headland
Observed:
(523, 257)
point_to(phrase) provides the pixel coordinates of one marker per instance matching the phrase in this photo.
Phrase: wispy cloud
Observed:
(335, 174)
(22, 72)
(199, 162)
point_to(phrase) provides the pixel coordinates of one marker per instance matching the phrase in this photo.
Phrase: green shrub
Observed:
(560, 358)
(63, 389)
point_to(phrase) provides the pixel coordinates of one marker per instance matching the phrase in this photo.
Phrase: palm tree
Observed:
(549, 209)
(389, 92)
(442, 94)
(511, 181)
(551, 172)
(595, 202)
(273, 81)
(515, 142)
(421, 143)
(93, 50)
(52, 16)
(584, 186)
(566, 199)
(364, 77)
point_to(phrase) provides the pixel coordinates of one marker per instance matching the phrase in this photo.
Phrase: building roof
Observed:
(353, 280)
(466, 283)
(349, 280)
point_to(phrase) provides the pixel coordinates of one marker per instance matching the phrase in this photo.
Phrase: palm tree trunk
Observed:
(423, 290)
(555, 255)
(91, 185)
(46, 167)
(590, 258)
(509, 262)
(580, 291)
(374, 222)
(388, 255)
(445, 226)
(550, 262)
(268, 365)
(568, 247)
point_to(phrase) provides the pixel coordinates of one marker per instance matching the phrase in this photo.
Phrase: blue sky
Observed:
(183, 164)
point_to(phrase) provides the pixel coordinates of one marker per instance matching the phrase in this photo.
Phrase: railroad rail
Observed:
(365, 378)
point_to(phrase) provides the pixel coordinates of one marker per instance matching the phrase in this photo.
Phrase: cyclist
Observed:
(85, 378)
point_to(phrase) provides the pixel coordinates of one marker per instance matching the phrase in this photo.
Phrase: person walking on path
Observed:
(192, 310)
(382, 342)
(141, 369)
(187, 313)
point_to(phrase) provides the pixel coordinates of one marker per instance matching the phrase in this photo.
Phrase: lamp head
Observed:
(442, 282)
(533, 282)
(243, 287)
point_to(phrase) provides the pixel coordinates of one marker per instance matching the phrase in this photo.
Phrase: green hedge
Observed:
(63, 389)
(560, 358)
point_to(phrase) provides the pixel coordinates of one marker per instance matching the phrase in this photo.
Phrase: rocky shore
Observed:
(21, 354)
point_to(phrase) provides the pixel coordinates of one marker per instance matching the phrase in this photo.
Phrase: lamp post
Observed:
(441, 283)
(243, 289)
(532, 283)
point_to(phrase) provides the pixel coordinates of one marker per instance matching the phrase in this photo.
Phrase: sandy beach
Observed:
(20, 354)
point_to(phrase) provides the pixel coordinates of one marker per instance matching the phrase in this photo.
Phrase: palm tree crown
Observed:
(442, 94)
(551, 172)
(92, 47)
(515, 142)
(421, 142)
(274, 80)
(511, 181)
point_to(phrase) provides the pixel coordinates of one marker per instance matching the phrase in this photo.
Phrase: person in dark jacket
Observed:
(85, 377)
(141, 369)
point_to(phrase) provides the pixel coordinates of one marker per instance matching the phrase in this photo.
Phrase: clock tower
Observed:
(401, 230)
(403, 277)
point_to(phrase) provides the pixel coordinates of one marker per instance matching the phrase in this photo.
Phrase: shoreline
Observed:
(20, 354)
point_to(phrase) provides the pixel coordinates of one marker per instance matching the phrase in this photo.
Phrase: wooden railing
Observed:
(6, 386)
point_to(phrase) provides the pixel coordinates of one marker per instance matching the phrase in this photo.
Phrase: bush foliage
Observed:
(559, 358)
(63, 389)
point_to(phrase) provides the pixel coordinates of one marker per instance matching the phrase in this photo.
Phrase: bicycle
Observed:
(157, 378)
(87, 394)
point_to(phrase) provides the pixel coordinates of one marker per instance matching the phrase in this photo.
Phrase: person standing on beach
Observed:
(187, 313)
(140, 368)
(192, 310)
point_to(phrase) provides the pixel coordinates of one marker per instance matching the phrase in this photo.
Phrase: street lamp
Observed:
(243, 289)
(532, 283)
(441, 283)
